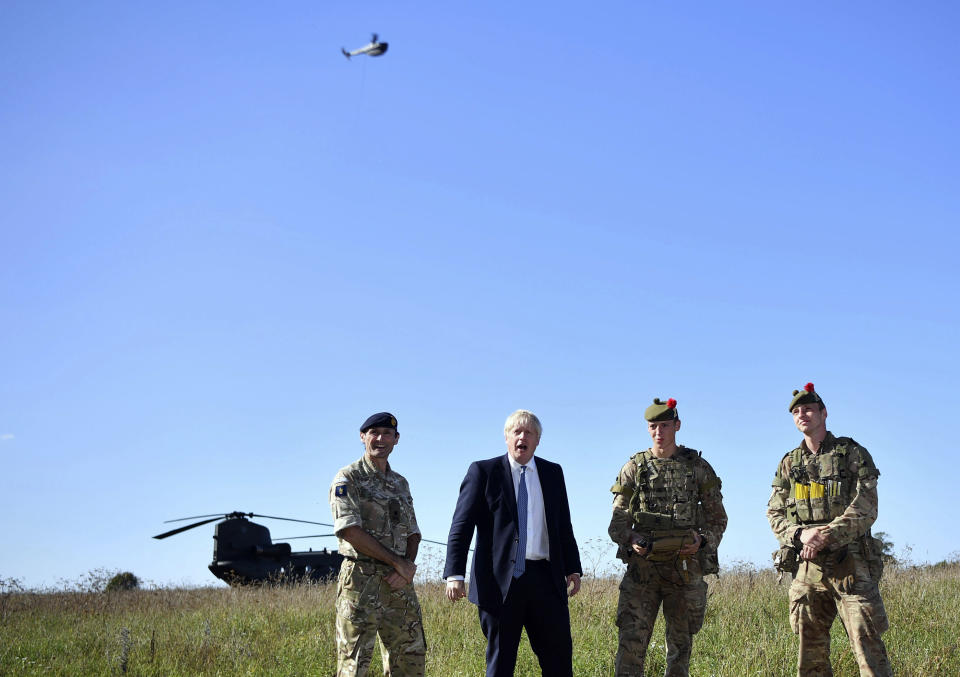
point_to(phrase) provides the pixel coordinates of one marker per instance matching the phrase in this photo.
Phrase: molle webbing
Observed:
(666, 495)
(821, 489)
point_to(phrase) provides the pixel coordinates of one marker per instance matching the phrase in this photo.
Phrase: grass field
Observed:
(289, 630)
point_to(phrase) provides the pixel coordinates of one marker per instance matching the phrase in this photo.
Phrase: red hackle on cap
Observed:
(808, 387)
(671, 403)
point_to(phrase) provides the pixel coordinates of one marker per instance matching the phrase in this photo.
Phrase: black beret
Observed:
(382, 420)
(806, 396)
(662, 411)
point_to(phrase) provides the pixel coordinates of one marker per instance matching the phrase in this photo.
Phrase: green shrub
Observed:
(123, 581)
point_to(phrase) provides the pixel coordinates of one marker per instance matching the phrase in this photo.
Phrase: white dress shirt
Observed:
(538, 545)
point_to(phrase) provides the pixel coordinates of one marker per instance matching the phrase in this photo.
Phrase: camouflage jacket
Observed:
(705, 502)
(849, 494)
(379, 503)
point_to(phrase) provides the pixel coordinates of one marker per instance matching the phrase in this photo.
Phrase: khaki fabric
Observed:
(835, 488)
(367, 607)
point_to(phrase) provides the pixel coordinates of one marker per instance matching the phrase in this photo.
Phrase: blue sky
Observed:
(223, 246)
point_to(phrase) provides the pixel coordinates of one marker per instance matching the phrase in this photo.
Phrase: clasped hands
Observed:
(402, 574)
(813, 541)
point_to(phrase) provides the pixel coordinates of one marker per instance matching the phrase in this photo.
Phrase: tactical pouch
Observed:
(841, 567)
(873, 554)
(709, 562)
(666, 545)
(785, 560)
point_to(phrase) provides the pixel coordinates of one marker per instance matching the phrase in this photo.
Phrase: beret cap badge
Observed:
(383, 419)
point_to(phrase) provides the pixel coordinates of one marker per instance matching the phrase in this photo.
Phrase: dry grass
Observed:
(289, 631)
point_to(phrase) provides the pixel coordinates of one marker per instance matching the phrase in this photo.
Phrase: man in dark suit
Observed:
(526, 561)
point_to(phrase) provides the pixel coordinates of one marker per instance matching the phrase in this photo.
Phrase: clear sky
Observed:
(223, 246)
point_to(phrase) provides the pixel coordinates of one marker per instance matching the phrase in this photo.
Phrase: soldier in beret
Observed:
(379, 537)
(823, 504)
(668, 519)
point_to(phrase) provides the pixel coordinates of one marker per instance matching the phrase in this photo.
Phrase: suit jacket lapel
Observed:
(546, 488)
(508, 494)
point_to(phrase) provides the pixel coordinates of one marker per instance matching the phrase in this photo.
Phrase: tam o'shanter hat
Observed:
(806, 396)
(662, 411)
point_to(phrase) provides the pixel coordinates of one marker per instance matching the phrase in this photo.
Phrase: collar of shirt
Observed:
(373, 470)
(515, 468)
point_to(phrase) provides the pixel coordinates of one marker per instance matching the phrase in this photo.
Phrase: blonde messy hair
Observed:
(523, 417)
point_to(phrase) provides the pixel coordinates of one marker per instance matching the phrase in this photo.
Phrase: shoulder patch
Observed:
(340, 490)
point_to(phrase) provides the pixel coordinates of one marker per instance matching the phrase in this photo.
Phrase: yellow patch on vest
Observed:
(807, 491)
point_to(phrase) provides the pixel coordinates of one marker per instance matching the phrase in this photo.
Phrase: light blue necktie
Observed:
(521, 564)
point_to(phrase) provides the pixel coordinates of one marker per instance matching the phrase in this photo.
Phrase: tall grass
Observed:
(289, 630)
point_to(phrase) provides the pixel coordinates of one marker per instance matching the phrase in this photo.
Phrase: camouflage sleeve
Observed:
(862, 511)
(621, 523)
(414, 528)
(711, 500)
(777, 505)
(344, 503)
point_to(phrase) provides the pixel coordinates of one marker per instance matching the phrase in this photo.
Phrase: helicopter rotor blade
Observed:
(290, 519)
(197, 517)
(178, 530)
(293, 538)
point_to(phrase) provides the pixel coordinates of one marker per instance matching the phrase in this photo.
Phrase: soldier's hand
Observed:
(814, 540)
(635, 539)
(573, 584)
(405, 568)
(455, 590)
(692, 548)
(395, 580)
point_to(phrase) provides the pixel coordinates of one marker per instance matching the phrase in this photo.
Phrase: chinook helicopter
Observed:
(243, 552)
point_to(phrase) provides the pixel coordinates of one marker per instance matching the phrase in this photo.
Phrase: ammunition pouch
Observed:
(709, 561)
(840, 566)
(666, 544)
(873, 555)
(786, 560)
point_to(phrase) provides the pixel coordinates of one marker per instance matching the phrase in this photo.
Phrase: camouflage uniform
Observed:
(663, 500)
(380, 504)
(836, 487)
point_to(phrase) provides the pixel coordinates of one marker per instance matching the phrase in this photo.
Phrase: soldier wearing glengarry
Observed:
(668, 519)
(823, 504)
(379, 538)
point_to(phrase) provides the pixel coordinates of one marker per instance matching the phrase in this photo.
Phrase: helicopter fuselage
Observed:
(243, 553)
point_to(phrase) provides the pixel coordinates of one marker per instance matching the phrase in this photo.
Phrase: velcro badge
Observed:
(340, 490)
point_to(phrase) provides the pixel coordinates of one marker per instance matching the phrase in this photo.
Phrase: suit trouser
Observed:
(533, 602)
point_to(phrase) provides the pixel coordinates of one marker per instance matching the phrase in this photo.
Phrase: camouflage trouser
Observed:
(684, 597)
(815, 600)
(366, 607)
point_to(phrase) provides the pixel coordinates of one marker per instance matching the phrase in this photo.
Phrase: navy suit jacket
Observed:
(488, 504)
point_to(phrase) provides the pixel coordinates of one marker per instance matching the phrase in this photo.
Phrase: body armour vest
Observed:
(824, 485)
(666, 495)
